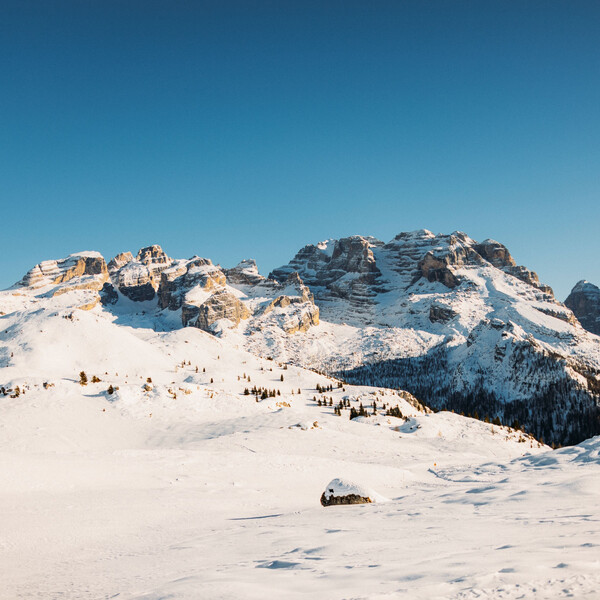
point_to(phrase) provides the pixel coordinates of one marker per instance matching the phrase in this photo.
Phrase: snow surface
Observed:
(184, 487)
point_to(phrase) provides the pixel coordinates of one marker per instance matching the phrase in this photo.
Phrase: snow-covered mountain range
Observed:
(161, 437)
(455, 322)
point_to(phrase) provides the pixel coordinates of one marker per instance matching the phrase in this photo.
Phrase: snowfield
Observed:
(179, 485)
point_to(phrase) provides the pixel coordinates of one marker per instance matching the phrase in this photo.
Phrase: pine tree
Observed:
(83, 378)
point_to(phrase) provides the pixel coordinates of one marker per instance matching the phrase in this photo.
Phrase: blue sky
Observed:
(249, 129)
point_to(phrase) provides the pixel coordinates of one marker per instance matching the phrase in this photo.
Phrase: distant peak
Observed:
(417, 234)
(585, 286)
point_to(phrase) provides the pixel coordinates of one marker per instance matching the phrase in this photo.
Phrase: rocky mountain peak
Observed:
(584, 301)
(54, 272)
(138, 279)
(244, 273)
(495, 253)
(153, 255)
(120, 260)
(364, 272)
(455, 321)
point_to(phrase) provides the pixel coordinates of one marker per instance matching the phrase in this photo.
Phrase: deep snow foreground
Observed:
(184, 487)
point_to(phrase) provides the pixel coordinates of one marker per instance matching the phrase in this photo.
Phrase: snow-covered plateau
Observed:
(162, 434)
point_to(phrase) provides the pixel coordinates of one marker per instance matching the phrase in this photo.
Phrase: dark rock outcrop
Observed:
(347, 499)
(108, 294)
(342, 492)
(584, 301)
(439, 313)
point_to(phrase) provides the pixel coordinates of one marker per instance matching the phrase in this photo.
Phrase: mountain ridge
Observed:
(455, 321)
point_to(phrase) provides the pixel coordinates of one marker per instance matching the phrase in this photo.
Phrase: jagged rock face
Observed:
(208, 297)
(498, 255)
(339, 269)
(352, 255)
(297, 314)
(495, 253)
(54, 272)
(108, 294)
(365, 273)
(186, 277)
(438, 313)
(82, 272)
(221, 305)
(153, 255)
(584, 301)
(436, 269)
(245, 273)
(529, 277)
(325, 263)
(120, 260)
(139, 279)
(308, 261)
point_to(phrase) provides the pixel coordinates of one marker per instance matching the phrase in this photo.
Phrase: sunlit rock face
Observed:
(138, 279)
(179, 281)
(75, 266)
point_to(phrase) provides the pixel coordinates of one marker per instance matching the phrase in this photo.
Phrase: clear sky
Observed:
(249, 129)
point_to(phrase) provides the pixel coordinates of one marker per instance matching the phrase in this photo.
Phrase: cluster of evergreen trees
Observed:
(326, 388)
(552, 406)
(261, 392)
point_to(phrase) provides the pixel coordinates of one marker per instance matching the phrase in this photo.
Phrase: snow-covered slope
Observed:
(456, 322)
(162, 478)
